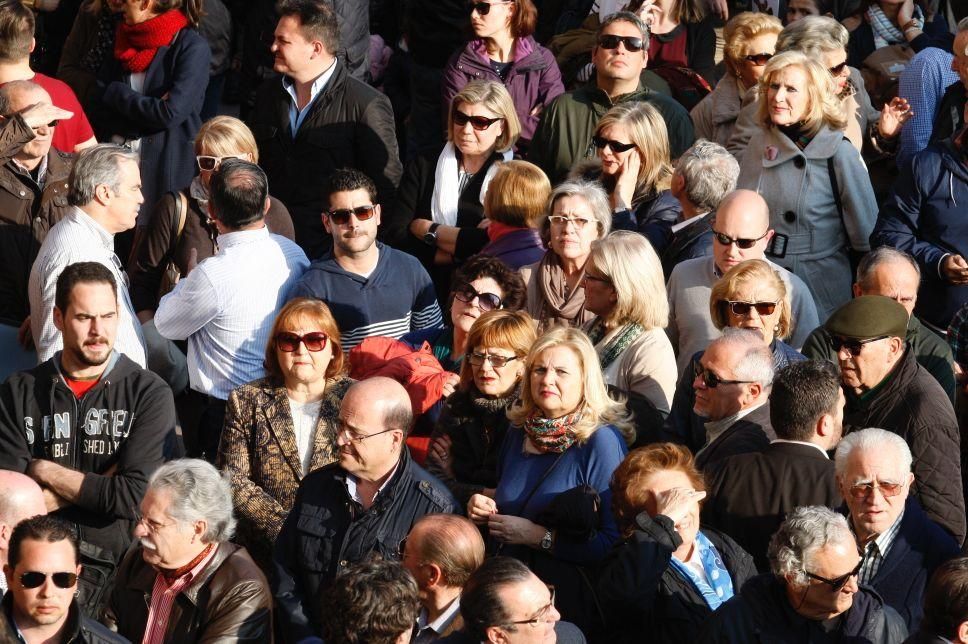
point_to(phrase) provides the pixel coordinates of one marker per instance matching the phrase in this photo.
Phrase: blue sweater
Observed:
(591, 463)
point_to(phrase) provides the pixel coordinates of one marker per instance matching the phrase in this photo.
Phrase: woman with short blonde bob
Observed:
(817, 187)
(514, 205)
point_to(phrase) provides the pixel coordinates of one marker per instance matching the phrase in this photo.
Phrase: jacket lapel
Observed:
(279, 421)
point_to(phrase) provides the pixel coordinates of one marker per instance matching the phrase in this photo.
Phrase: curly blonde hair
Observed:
(824, 106)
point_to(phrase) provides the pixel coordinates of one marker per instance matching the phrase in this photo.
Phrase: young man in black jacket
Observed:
(89, 425)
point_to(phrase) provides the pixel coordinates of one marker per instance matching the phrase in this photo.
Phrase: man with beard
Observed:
(371, 289)
(89, 425)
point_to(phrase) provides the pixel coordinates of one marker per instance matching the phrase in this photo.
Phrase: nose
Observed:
(843, 354)
(851, 586)
(139, 530)
(553, 614)
(698, 382)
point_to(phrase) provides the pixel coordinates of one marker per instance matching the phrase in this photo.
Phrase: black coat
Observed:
(642, 593)
(326, 531)
(751, 433)
(951, 112)
(79, 629)
(914, 406)
(566, 632)
(749, 495)
(761, 613)
(689, 242)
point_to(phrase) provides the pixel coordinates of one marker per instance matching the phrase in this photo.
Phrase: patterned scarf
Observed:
(551, 435)
(886, 32)
(107, 26)
(618, 344)
(135, 46)
(718, 586)
(171, 575)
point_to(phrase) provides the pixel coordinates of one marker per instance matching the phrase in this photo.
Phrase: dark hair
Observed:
(478, 266)
(632, 19)
(372, 602)
(238, 190)
(802, 393)
(398, 415)
(348, 180)
(17, 24)
(480, 601)
(81, 273)
(946, 598)
(191, 8)
(524, 19)
(42, 527)
(316, 18)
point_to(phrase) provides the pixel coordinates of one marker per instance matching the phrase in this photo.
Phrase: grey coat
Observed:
(715, 116)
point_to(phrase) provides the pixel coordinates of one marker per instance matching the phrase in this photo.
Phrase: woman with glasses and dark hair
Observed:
(669, 574)
(281, 427)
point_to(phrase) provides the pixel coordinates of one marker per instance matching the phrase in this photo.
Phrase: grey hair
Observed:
(709, 172)
(593, 194)
(96, 166)
(7, 89)
(756, 362)
(882, 255)
(872, 439)
(631, 18)
(805, 531)
(813, 36)
(198, 493)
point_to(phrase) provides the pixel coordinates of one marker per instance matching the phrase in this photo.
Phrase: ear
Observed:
(841, 487)
(377, 213)
(910, 479)
(755, 390)
(5, 531)
(102, 193)
(58, 319)
(856, 289)
(265, 208)
(435, 576)
(327, 226)
(495, 635)
(318, 48)
(769, 235)
(962, 632)
(824, 426)
(199, 528)
(33, 44)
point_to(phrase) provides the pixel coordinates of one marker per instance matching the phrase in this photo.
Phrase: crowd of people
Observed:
(505, 321)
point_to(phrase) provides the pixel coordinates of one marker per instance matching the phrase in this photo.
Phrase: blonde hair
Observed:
(592, 193)
(647, 130)
(494, 97)
(824, 107)
(630, 264)
(743, 28)
(759, 275)
(514, 330)
(517, 194)
(225, 136)
(597, 407)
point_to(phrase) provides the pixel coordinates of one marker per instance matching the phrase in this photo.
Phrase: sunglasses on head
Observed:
(837, 583)
(483, 8)
(837, 70)
(853, 346)
(341, 216)
(479, 123)
(712, 380)
(615, 146)
(611, 41)
(485, 301)
(744, 244)
(744, 308)
(36, 579)
(210, 163)
(289, 342)
(887, 488)
(759, 59)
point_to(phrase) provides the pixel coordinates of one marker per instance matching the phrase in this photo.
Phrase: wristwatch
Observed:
(430, 237)
(547, 540)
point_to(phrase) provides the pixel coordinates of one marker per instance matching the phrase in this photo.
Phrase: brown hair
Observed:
(316, 311)
(452, 543)
(191, 8)
(16, 31)
(524, 19)
(517, 195)
(514, 330)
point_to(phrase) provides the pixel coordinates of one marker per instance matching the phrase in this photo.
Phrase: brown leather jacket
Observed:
(229, 601)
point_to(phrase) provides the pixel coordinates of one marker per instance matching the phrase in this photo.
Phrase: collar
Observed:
(191, 569)
(814, 445)
(351, 482)
(822, 146)
(688, 222)
(318, 85)
(241, 237)
(886, 539)
(41, 169)
(440, 624)
(78, 216)
(717, 427)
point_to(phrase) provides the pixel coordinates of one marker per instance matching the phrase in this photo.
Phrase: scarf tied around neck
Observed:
(135, 46)
(551, 435)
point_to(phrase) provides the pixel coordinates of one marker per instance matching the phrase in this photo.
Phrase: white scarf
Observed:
(443, 205)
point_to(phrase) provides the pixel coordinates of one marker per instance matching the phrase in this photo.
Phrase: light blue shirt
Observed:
(296, 115)
(923, 82)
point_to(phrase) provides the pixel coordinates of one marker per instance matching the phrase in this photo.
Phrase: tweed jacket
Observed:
(258, 451)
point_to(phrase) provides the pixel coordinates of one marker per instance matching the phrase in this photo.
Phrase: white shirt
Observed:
(78, 238)
(682, 224)
(304, 417)
(226, 306)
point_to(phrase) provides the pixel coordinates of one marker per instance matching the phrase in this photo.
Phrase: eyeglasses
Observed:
(483, 8)
(711, 380)
(210, 164)
(289, 342)
(887, 488)
(562, 221)
(50, 125)
(151, 526)
(853, 346)
(35, 579)
(837, 583)
(611, 41)
(837, 70)
(479, 123)
(744, 244)
(485, 301)
(744, 308)
(478, 359)
(615, 146)
(541, 616)
(341, 216)
(759, 59)
(359, 438)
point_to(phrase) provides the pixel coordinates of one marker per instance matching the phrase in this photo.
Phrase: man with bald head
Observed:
(21, 498)
(367, 502)
(741, 231)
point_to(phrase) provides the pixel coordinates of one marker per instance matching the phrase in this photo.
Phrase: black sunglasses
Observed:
(341, 216)
(744, 308)
(36, 579)
(483, 8)
(759, 59)
(289, 342)
(616, 146)
(837, 70)
(712, 380)
(853, 345)
(837, 583)
(745, 244)
(479, 123)
(611, 41)
(485, 301)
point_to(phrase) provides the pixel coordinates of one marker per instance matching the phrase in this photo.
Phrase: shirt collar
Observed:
(682, 224)
(885, 540)
(440, 624)
(41, 170)
(814, 445)
(239, 237)
(290, 85)
(351, 482)
(190, 575)
(78, 216)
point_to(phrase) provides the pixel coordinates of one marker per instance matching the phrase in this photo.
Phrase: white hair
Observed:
(756, 361)
(198, 492)
(805, 531)
(872, 439)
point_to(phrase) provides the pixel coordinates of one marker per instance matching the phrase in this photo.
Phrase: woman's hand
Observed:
(628, 176)
(650, 12)
(515, 530)
(480, 508)
(450, 384)
(678, 502)
(893, 116)
(905, 13)
(439, 453)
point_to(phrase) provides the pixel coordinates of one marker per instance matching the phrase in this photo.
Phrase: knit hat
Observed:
(868, 316)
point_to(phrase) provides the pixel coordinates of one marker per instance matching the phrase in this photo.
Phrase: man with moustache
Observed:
(88, 425)
(365, 503)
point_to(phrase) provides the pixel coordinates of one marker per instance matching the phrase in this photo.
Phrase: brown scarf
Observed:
(556, 307)
(171, 575)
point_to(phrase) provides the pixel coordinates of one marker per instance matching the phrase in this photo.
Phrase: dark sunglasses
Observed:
(36, 579)
(887, 488)
(611, 41)
(341, 216)
(485, 301)
(759, 59)
(51, 124)
(616, 146)
(712, 380)
(483, 8)
(853, 346)
(479, 123)
(289, 342)
(838, 69)
(744, 308)
(745, 244)
(837, 583)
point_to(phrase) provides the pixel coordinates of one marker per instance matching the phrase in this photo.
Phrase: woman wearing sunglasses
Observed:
(503, 50)
(750, 43)
(669, 574)
(281, 427)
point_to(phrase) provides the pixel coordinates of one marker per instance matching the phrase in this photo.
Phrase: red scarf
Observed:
(136, 45)
(496, 230)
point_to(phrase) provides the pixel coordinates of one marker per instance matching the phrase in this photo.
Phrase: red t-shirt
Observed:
(81, 387)
(74, 130)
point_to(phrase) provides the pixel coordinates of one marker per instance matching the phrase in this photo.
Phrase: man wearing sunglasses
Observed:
(22, 499)
(885, 387)
(41, 573)
(901, 546)
(564, 134)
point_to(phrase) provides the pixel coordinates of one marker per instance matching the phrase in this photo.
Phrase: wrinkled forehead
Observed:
(880, 462)
(21, 99)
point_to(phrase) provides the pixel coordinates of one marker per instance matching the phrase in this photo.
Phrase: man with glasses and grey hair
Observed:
(185, 581)
(367, 502)
(901, 546)
(811, 593)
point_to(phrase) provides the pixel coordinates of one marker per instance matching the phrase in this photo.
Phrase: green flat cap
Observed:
(868, 316)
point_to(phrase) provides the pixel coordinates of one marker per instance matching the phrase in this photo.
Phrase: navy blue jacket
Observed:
(689, 242)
